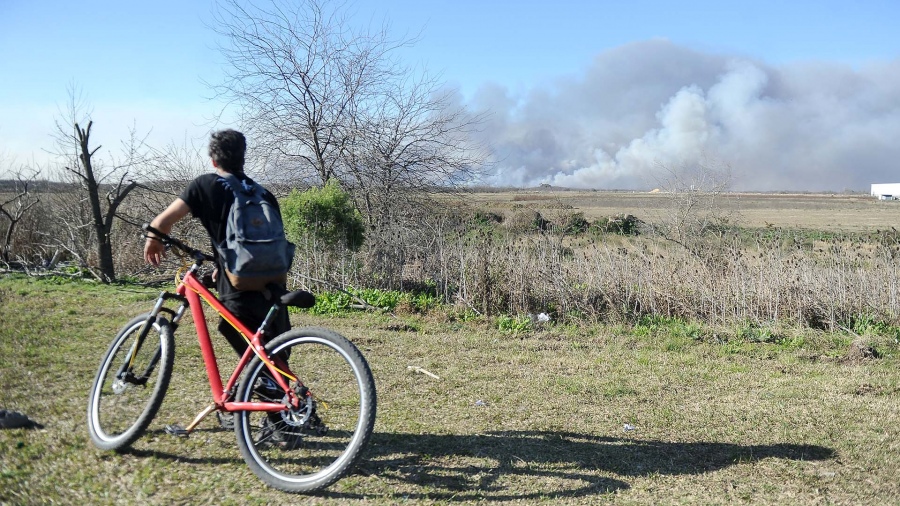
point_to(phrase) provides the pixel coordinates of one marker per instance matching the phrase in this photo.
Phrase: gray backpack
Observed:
(255, 251)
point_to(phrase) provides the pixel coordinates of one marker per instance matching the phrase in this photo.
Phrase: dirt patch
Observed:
(860, 351)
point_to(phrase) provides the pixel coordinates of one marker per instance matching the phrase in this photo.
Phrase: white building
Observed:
(886, 191)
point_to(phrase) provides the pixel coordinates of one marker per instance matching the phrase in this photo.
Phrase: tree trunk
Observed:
(104, 246)
(7, 241)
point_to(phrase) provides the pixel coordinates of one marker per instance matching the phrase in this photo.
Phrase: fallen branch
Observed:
(422, 371)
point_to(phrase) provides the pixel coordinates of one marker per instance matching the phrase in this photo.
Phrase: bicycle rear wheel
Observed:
(309, 448)
(130, 383)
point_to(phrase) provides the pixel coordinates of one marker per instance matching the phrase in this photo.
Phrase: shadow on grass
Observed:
(531, 464)
(503, 466)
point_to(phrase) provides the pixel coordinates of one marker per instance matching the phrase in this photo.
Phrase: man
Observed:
(208, 199)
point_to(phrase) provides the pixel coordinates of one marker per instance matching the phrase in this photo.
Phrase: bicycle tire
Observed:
(294, 455)
(119, 411)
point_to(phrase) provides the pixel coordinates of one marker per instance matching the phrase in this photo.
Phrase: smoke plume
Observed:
(811, 126)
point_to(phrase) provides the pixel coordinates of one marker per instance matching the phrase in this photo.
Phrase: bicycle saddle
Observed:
(297, 298)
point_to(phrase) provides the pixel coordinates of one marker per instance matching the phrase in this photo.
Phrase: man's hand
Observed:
(154, 251)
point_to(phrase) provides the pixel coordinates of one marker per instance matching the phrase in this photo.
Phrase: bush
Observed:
(575, 224)
(486, 218)
(622, 224)
(338, 302)
(514, 324)
(528, 221)
(326, 214)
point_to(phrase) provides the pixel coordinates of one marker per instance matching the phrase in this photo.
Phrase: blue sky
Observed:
(521, 43)
(143, 64)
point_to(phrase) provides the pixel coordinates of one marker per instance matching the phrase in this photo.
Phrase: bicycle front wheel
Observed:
(130, 383)
(311, 447)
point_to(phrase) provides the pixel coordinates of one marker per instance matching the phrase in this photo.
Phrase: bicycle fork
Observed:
(125, 374)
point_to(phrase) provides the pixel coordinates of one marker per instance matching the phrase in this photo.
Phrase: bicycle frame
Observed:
(189, 292)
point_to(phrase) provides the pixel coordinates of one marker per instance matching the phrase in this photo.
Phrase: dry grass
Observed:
(528, 418)
(818, 261)
(834, 271)
(832, 212)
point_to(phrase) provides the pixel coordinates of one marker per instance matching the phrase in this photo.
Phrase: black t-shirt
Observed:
(210, 200)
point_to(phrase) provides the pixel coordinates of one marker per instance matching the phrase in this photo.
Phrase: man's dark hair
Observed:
(227, 148)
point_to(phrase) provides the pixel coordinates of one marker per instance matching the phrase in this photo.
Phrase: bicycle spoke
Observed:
(309, 447)
(130, 384)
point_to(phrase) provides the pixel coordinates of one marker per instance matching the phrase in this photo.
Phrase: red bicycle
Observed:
(303, 403)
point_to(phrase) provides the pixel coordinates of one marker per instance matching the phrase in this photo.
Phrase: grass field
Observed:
(514, 418)
(832, 212)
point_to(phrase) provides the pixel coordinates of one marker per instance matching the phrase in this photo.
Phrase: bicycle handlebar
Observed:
(171, 241)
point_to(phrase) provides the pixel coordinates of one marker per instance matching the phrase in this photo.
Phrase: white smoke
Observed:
(653, 104)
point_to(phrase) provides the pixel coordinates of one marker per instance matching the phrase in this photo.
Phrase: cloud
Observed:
(639, 107)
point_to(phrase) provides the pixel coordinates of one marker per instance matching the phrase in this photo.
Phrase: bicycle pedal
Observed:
(177, 430)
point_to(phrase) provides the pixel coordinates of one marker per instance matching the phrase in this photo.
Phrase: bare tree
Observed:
(328, 101)
(165, 175)
(102, 185)
(21, 198)
(171, 170)
(417, 142)
(297, 70)
(695, 200)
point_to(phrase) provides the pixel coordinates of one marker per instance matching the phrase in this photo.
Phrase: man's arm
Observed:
(153, 249)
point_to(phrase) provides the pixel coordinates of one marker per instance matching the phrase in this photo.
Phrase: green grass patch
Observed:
(662, 412)
(351, 300)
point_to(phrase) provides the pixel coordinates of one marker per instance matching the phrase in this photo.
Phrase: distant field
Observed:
(817, 211)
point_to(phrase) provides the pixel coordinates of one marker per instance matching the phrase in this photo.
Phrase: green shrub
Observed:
(486, 218)
(341, 301)
(575, 224)
(423, 301)
(514, 324)
(754, 333)
(464, 315)
(326, 214)
(331, 303)
(382, 299)
(649, 325)
(622, 224)
(868, 324)
(387, 300)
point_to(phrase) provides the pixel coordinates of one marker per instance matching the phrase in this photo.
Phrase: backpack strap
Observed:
(231, 182)
(236, 185)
